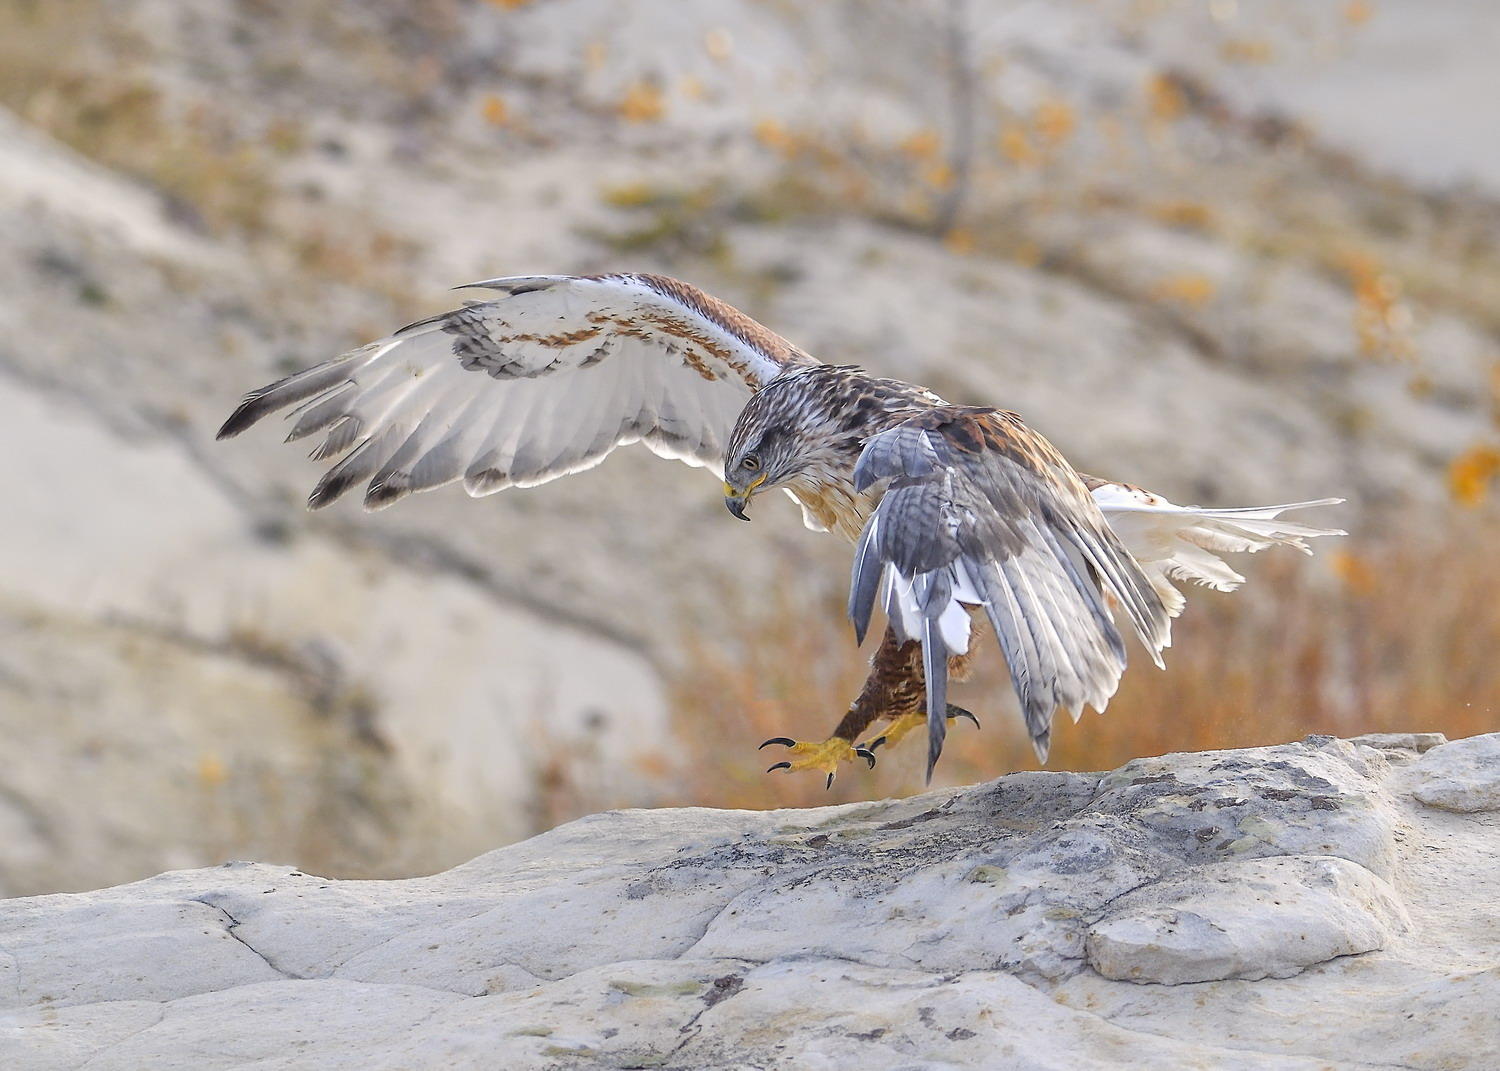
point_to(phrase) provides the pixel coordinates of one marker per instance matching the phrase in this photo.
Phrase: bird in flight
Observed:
(957, 513)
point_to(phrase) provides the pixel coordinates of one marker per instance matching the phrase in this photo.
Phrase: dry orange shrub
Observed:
(1472, 472)
(642, 103)
(1380, 635)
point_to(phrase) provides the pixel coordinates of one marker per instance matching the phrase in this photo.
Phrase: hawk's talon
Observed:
(954, 713)
(907, 722)
(825, 755)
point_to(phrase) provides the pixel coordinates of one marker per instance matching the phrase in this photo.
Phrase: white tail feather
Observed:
(1183, 542)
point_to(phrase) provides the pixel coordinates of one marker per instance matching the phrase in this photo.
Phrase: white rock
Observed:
(1461, 776)
(1418, 742)
(1253, 918)
(982, 927)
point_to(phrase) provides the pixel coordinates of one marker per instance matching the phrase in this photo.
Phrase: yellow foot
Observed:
(824, 755)
(907, 722)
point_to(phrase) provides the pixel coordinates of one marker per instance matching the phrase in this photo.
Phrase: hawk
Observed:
(957, 513)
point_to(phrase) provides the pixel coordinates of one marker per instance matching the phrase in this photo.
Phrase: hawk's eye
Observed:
(751, 463)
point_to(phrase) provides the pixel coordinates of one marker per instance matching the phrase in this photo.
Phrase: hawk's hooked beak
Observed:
(736, 501)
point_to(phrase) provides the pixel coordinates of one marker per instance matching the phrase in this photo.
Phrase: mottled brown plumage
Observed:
(956, 511)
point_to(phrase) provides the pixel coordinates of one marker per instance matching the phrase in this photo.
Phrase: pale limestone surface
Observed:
(1318, 916)
(1461, 776)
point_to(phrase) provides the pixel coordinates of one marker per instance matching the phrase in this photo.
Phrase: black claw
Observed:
(867, 754)
(784, 741)
(954, 713)
(879, 741)
(830, 782)
(779, 766)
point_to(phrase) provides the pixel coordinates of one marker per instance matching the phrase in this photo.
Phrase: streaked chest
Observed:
(830, 503)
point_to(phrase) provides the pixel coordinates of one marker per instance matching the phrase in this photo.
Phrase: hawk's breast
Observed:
(832, 505)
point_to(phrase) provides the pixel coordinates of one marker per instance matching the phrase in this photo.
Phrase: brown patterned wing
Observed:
(981, 511)
(545, 380)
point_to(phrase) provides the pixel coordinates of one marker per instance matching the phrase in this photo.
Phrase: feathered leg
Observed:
(895, 691)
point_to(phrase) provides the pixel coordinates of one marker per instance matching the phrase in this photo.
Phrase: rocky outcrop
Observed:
(195, 199)
(1296, 906)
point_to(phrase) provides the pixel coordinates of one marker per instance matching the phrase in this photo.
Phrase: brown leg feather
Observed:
(896, 685)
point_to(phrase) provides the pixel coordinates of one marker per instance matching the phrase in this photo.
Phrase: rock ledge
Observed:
(1188, 910)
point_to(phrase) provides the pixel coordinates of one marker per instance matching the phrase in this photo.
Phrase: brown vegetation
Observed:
(1379, 634)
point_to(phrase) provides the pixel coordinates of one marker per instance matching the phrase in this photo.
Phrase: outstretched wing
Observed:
(1174, 542)
(982, 511)
(543, 381)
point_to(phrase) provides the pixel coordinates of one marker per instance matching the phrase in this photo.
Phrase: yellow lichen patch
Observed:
(594, 55)
(1358, 12)
(923, 145)
(494, 109)
(1247, 50)
(1193, 215)
(1028, 254)
(1472, 472)
(285, 137)
(938, 175)
(959, 240)
(511, 5)
(1356, 573)
(212, 771)
(1054, 122)
(773, 135)
(642, 103)
(629, 195)
(1016, 146)
(1190, 288)
(1164, 98)
(1382, 320)
(718, 44)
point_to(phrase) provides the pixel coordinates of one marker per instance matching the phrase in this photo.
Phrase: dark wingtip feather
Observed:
(293, 389)
(383, 494)
(333, 484)
(245, 414)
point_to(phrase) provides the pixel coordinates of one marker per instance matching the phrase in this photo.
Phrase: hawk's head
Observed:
(798, 424)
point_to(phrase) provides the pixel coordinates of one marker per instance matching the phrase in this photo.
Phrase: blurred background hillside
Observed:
(1236, 252)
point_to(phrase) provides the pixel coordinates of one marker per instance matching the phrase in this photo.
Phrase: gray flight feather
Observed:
(974, 493)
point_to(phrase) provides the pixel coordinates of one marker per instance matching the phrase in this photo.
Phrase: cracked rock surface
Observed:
(1296, 906)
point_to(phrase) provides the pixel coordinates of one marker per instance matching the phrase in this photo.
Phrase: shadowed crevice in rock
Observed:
(232, 926)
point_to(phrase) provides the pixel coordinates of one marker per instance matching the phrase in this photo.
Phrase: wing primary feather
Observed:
(444, 461)
(393, 481)
(1087, 589)
(366, 412)
(295, 388)
(322, 411)
(864, 583)
(935, 669)
(365, 459)
(1143, 606)
(1024, 660)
